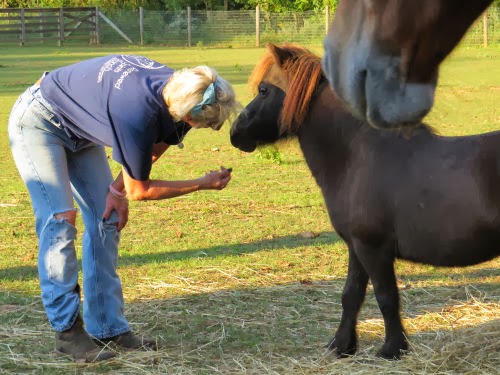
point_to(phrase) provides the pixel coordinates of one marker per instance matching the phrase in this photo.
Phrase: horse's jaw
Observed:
(239, 137)
(374, 88)
(244, 147)
(391, 102)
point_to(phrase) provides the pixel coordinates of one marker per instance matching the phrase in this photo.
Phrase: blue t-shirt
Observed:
(116, 101)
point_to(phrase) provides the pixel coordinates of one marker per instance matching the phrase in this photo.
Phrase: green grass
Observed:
(231, 281)
(468, 93)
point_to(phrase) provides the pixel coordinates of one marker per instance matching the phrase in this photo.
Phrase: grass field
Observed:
(248, 280)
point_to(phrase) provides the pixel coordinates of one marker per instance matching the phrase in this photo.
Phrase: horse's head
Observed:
(382, 56)
(284, 81)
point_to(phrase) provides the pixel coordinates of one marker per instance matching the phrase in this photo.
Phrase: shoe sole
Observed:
(84, 360)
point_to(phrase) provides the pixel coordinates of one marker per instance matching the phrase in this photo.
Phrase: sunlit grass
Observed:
(248, 279)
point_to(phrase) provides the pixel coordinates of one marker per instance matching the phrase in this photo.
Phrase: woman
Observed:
(58, 129)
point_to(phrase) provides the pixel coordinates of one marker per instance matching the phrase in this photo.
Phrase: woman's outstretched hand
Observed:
(216, 180)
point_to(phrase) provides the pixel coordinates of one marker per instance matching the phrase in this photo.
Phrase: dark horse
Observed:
(415, 196)
(382, 56)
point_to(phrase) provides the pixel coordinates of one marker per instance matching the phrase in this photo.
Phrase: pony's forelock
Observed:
(303, 72)
(260, 71)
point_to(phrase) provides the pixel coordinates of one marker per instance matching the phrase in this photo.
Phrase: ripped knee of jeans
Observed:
(58, 256)
(68, 216)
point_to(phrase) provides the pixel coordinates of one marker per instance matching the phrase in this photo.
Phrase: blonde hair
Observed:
(185, 90)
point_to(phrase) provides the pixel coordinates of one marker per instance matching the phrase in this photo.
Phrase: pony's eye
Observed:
(262, 90)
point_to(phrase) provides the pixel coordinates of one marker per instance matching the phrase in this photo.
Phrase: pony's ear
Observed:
(280, 54)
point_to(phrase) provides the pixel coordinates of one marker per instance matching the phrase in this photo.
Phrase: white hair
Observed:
(185, 90)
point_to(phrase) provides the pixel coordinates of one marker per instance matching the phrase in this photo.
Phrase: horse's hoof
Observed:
(388, 356)
(391, 355)
(341, 351)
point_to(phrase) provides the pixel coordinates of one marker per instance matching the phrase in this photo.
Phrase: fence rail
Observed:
(185, 28)
(24, 25)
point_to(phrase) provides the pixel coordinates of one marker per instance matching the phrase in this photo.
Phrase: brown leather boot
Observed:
(77, 344)
(128, 340)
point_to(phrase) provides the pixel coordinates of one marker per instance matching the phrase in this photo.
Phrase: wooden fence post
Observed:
(141, 25)
(189, 25)
(23, 29)
(61, 27)
(40, 27)
(97, 31)
(257, 26)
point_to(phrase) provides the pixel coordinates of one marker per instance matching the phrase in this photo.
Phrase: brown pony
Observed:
(421, 197)
(382, 56)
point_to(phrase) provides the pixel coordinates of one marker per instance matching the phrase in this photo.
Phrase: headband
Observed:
(209, 97)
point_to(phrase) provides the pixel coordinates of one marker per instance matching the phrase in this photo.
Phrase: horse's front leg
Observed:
(379, 264)
(345, 342)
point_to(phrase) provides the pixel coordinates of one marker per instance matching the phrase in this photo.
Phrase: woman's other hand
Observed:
(118, 204)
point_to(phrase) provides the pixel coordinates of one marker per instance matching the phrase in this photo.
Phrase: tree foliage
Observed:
(268, 5)
(279, 6)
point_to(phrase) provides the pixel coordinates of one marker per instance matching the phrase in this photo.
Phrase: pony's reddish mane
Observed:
(302, 70)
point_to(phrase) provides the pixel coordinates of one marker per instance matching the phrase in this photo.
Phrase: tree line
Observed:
(277, 6)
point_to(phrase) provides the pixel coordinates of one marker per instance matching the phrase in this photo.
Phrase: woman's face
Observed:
(200, 125)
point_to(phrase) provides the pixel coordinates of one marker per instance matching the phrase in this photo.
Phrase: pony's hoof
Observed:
(340, 350)
(391, 353)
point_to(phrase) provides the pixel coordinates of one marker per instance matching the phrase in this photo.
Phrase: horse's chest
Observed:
(356, 207)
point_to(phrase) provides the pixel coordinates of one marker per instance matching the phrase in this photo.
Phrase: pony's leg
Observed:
(379, 264)
(345, 341)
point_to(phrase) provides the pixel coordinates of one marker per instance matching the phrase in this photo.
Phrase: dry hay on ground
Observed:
(213, 334)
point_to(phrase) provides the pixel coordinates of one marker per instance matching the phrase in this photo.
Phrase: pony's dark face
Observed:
(258, 123)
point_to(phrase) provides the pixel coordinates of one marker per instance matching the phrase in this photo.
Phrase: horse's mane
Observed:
(303, 71)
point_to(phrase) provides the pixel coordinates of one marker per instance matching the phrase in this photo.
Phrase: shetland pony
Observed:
(382, 56)
(413, 195)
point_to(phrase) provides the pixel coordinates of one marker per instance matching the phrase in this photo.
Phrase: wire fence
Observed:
(485, 31)
(243, 28)
(216, 28)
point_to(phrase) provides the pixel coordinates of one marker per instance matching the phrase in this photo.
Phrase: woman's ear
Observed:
(187, 118)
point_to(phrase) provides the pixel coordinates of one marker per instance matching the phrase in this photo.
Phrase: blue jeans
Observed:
(57, 167)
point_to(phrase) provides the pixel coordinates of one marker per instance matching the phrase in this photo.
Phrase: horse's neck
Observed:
(326, 136)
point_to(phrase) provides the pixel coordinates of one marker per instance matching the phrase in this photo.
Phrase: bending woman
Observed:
(58, 131)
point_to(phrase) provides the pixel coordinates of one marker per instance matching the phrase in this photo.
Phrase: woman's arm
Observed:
(158, 150)
(162, 189)
(117, 200)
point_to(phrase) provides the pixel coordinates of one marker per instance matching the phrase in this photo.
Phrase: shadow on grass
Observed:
(25, 273)
(288, 242)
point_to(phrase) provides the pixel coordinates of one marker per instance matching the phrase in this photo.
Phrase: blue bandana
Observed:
(208, 98)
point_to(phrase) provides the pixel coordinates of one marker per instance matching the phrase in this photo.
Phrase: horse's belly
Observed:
(456, 252)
